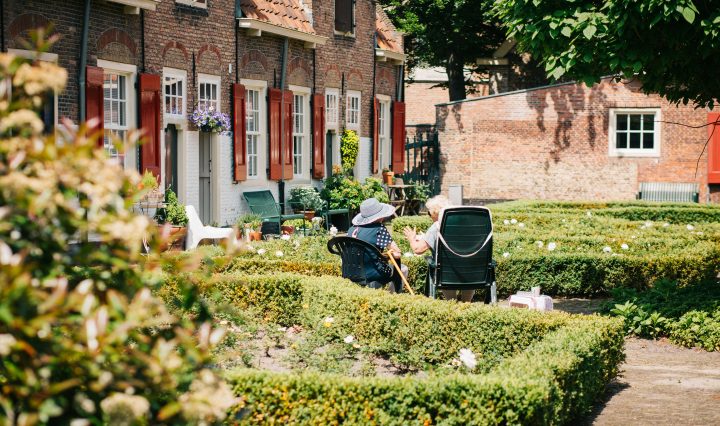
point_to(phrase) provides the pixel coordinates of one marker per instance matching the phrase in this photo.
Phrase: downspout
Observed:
(372, 106)
(83, 60)
(238, 15)
(142, 40)
(2, 26)
(283, 68)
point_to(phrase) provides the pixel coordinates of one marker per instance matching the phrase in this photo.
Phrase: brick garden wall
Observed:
(552, 143)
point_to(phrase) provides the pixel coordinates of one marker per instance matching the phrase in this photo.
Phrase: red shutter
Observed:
(94, 102)
(318, 136)
(149, 87)
(288, 142)
(713, 173)
(239, 133)
(398, 138)
(376, 136)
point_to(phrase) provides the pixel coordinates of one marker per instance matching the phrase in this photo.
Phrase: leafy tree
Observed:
(671, 46)
(447, 33)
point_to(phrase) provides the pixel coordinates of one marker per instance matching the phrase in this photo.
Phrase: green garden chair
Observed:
(463, 254)
(263, 204)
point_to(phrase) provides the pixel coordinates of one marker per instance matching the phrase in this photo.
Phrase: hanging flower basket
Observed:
(211, 121)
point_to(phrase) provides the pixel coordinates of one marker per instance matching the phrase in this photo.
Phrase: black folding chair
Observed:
(463, 251)
(355, 254)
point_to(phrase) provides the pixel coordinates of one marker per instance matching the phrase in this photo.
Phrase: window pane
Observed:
(121, 83)
(622, 122)
(648, 140)
(621, 141)
(634, 140)
(635, 121)
(648, 122)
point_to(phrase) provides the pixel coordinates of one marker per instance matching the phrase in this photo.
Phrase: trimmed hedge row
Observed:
(549, 368)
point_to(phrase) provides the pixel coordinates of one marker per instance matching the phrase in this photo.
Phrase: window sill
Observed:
(634, 154)
(189, 6)
(345, 35)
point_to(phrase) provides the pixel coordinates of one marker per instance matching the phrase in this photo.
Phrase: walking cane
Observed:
(397, 268)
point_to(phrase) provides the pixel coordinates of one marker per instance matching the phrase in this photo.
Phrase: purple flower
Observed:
(209, 120)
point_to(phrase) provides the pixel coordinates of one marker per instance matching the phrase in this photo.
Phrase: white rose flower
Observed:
(408, 254)
(589, 214)
(261, 252)
(6, 342)
(665, 225)
(690, 227)
(467, 357)
(648, 224)
(279, 253)
(607, 249)
(333, 231)
(539, 243)
(506, 222)
(513, 221)
(506, 254)
(624, 246)
(285, 237)
(349, 339)
(551, 246)
(521, 225)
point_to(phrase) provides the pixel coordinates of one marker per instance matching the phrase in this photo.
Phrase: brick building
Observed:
(292, 74)
(572, 142)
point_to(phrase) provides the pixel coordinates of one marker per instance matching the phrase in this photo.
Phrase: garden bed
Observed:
(531, 367)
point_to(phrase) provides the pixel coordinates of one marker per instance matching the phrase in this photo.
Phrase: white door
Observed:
(205, 210)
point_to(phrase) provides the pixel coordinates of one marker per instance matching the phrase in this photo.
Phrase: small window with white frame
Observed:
(49, 111)
(174, 82)
(331, 108)
(208, 92)
(299, 131)
(254, 125)
(352, 112)
(118, 105)
(383, 132)
(634, 132)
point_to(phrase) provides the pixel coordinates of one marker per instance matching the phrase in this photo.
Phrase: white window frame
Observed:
(384, 142)
(130, 73)
(332, 114)
(613, 151)
(350, 112)
(45, 57)
(300, 161)
(259, 135)
(200, 4)
(211, 80)
(170, 118)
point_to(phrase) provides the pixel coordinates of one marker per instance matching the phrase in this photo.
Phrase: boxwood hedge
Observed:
(548, 368)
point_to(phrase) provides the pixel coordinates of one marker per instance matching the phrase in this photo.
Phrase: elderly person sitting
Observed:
(368, 226)
(435, 206)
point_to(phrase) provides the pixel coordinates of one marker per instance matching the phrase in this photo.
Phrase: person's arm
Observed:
(417, 246)
(386, 243)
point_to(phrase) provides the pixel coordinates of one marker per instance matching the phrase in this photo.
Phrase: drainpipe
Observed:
(142, 40)
(372, 105)
(283, 69)
(83, 60)
(238, 15)
(2, 26)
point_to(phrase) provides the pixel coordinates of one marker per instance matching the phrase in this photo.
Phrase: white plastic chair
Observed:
(197, 232)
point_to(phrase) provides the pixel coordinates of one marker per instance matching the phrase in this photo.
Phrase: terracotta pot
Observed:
(176, 239)
(287, 229)
(255, 235)
(309, 214)
(388, 178)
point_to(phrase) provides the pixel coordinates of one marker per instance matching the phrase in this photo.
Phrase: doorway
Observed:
(171, 158)
(329, 154)
(205, 208)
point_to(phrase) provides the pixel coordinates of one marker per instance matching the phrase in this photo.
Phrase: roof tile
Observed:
(284, 13)
(387, 37)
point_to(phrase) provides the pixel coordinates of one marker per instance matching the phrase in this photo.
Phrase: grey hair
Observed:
(436, 204)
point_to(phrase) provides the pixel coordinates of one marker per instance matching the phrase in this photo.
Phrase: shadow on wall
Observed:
(571, 102)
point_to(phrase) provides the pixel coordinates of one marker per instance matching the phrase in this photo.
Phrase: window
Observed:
(115, 88)
(298, 133)
(345, 16)
(208, 92)
(252, 127)
(635, 133)
(49, 109)
(383, 133)
(174, 93)
(331, 108)
(353, 110)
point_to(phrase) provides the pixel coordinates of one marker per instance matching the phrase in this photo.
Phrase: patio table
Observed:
(397, 196)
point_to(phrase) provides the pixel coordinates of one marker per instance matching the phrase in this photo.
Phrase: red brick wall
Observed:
(552, 143)
(112, 36)
(421, 97)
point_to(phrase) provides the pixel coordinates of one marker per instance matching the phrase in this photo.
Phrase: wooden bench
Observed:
(665, 191)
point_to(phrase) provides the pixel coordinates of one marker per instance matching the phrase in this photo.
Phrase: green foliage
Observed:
(81, 336)
(253, 220)
(349, 148)
(420, 191)
(306, 198)
(657, 42)
(174, 213)
(373, 188)
(689, 315)
(447, 33)
(341, 190)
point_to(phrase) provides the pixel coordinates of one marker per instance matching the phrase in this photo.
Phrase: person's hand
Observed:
(395, 250)
(410, 234)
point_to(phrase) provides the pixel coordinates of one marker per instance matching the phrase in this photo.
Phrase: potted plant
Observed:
(388, 176)
(149, 192)
(211, 121)
(307, 200)
(173, 215)
(249, 225)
